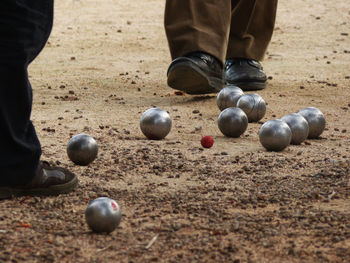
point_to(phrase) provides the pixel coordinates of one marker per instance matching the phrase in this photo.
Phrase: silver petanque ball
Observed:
(299, 127)
(316, 121)
(232, 122)
(275, 135)
(228, 97)
(103, 215)
(155, 123)
(253, 105)
(82, 149)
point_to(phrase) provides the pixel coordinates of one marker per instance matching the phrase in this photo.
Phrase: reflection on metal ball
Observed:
(232, 122)
(155, 123)
(253, 105)
(299, 127)
(275, 135)
(82, 149)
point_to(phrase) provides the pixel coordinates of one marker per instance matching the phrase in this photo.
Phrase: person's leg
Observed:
(252, 24)
(193, 25)
(19, 146)
(197, 33)
(25, 26)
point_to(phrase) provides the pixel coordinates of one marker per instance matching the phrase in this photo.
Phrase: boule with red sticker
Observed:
(103, 215)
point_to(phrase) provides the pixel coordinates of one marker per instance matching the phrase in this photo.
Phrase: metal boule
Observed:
(155, 123)
(253, 105)
(103, 215)
(316, 121)
(299, 127)
(228, 97)
(232, 122)
(275, 135)
(82, 149)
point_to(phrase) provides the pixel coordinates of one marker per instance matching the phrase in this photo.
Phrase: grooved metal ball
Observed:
(275, 135)
(103, 215)
(155, 123)
(253, 105)
(228, 97)
(82, 149)
(232, 122)
(299, 127)
(316, 121)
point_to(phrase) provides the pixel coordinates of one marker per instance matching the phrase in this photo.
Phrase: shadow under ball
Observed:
(103, 215)
(228, 97)
(232, 122)
(82, 149)
(253, 105)
(155, 123)
(316, 121)
(275, 135)
(299, 127)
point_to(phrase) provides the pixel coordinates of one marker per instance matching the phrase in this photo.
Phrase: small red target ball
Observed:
(207, 141)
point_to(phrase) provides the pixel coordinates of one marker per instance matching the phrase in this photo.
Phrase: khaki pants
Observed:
(222, 28)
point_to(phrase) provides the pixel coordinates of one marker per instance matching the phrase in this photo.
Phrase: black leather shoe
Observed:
(196, 73)
(48, 181)
(247, 74)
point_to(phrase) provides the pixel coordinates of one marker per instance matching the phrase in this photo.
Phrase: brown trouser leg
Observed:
(252, 24)
(198, 25)
(238, 28)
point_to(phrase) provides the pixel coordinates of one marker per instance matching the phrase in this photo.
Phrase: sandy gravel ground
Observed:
(105, 64)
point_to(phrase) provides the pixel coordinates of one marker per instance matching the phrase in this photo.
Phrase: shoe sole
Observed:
(189, 78)
(8, 192)
(249, 86)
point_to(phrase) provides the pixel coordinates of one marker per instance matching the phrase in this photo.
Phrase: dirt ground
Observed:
(105, 64)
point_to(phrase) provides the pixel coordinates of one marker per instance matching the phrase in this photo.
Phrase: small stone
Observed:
(198, 128)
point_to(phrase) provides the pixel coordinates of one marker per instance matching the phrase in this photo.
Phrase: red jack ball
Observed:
(207, 141)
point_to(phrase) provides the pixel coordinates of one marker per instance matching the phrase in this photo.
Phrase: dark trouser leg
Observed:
(198, 25)
(25, 26)
(252, 24)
